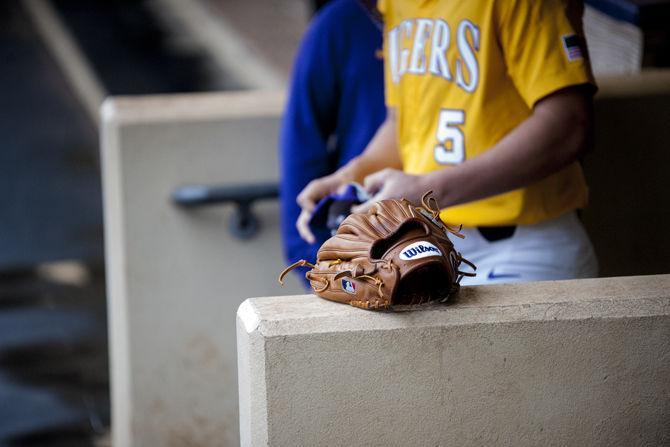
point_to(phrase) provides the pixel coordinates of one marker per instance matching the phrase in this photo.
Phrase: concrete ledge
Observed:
(653, 82)
(191, 107)
(552, 363)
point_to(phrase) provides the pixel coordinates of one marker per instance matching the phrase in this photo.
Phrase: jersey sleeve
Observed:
(543, 45)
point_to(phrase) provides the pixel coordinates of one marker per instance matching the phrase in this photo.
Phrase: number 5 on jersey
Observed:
(450, 148)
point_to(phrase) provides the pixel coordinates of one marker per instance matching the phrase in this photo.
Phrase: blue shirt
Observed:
(335, 106)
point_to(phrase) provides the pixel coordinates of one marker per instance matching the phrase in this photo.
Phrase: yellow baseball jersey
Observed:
(463, 74)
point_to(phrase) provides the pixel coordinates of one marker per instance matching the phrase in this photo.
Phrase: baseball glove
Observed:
(395, 254)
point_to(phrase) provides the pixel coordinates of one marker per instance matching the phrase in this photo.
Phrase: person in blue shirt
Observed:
(335, 106)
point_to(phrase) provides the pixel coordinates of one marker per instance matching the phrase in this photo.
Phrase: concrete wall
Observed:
(176, 277)
(550, 363)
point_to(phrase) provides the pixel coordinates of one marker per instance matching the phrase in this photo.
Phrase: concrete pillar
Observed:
(175, 276)
(630, 233)
(550, 363)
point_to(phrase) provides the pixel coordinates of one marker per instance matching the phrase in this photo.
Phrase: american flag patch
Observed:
(572, 44)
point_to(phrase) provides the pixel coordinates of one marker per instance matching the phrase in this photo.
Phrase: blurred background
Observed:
(60, 59)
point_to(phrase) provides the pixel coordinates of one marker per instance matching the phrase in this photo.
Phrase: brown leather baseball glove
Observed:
(395, 254)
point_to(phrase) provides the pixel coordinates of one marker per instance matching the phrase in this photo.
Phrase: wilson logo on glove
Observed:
(419, 250)
(348, 286)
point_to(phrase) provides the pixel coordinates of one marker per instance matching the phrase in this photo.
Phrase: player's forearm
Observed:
(380, 153)
(551, 138)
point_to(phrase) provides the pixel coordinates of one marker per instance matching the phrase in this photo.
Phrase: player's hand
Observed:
(391, 184)
(309, 197)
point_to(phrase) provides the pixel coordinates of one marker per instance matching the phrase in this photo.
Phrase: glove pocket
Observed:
(424, 269)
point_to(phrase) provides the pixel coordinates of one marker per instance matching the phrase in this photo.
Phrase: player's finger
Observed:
(306, 198)
(342, 188)
(315, 191)
(373, 183)
(302, 224)
(365, 206)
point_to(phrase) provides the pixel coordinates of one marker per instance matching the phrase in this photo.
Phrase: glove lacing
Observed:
(324, 282)
(378, 282)
(430, 206)
(431, 210)
(300, 263)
